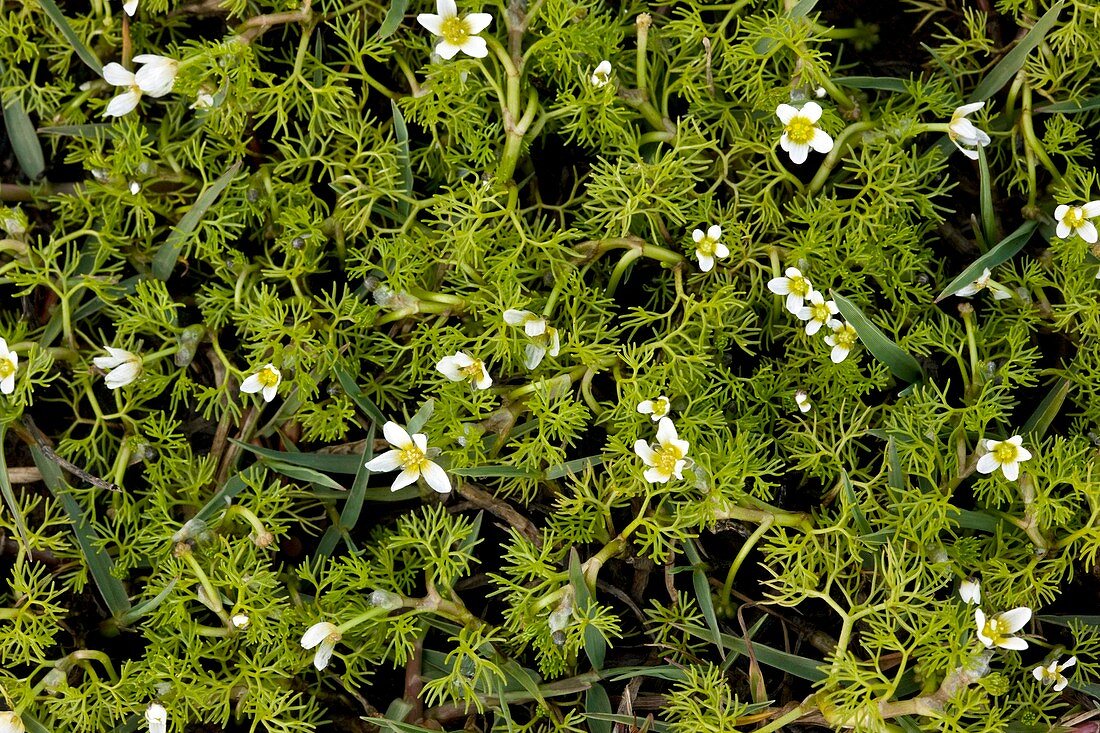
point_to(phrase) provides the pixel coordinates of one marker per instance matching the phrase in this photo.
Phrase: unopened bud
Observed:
(386, 600)
(239, 621)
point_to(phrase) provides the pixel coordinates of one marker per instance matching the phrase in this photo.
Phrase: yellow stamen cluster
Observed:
(1005, 452)
(455, 31)
(1074, 218)
(800, 130)
(6, 368)
(413, 457)
(268, 377)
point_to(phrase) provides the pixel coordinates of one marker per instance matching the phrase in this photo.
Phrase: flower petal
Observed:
(117, 75)
(1015, 619)
(436, 478)
(406, 477)
(396, 435)
(446, 8)
(810, 111)
(785, 113)
(316, 634)
(323, 654)
(1011, 470)
(1087, 232)
(477, 22)
(248, 386)
(706, 262)
(122, 104)
(434, 23)
(666, 431)
(798, 153)
(645, 452)
(475, 46)
(388, 461)
(1013, 642)
(270, 392)
(987, 463)
(821, 142)
(1091, 209)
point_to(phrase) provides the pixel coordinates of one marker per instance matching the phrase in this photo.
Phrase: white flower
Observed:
(410, 455)
(708, 245)
(842, 339)
(999, 630)
(656, 409)
(818, 313)
(9, 362)
(975, 287)
(795, 286)
(240, 621)
(803, 401)
(970, 591)
(462, 367)
(1052, 673)
(963, 132)
(203, 100)
(1075, 220)
(10, 722)
(135, 188)
(267, 380)
(157, 718)
(130, 6)
(668, 459)
(544, 338)
(123, 102)
(1005, 455)
(458, 34)
(157, 74)
(122, 367)
(602, 74)
(324, 636)
(800, 131)
(820, 92)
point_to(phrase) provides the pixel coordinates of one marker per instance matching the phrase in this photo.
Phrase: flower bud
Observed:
(386, 600)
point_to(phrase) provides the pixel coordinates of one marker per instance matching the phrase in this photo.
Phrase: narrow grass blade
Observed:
(49, 7)
(597, 702)
(24, 140)
(420, 419)
(1036, 425)
(404, 162)
(392, 21)
(903, 366)
(801, 667)
(99, 562)
(573, 467)
(985, 198)
(851, 504)
(165, 258)
(353, 507)
(147, 606)
(1070, 108)
(595, 646)
(879, 83)
(302, 473)
(87, 130)
(220, 500)
(494, 472)
(1005, 250)
(1014, 60)
(701, 586)
(9, 497)
(351, 389)
(330, 463)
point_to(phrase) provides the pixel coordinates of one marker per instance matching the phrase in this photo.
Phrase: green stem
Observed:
(834, 155)
(621, 266)
(750, 543)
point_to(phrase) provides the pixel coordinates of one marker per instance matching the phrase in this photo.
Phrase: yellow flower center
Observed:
(455, 30)
(268, 377)
(473, 371)
(666, 458)
(846, 336)
(413, 458)
(799, 286)
(800, 130)
(995, 630)
(1074, 218)
(705, 246)
(1005, 452)
(820, 312)
(6, 368)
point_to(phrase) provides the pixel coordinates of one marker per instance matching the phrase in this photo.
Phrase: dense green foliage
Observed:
(226, 276)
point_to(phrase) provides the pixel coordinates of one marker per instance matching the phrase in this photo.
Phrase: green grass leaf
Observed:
(1070, 108)
(9, 496)
(493, 472)
(879, 83)
(420, 419)
(1004, 251)
(900, 363)
(394, 17)
(985, 199)
(576, 466)
(23, 139)
(90, 59)
(595, 646)
(404, 162)
(165, 258)
(801, 667)
(701, 587)
(1037, 425)
(1014, 60)
(352, 390)
(597, 702)
(301, 473)
(330, 463)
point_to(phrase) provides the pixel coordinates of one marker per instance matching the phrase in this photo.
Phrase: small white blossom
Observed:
(802, 399)
(10, 722)
(970, 591)
(1075, 220)
(462, 367)
(135, 188)
(668, 459)
(708, 246)
(239, 621)
(975, 287)
(800, 131)
(820, 92)
(130, 6)
(124, 102)
(203, 100)
(963, 132)
(122, 367)
(656, 409)
(157, 75)
(1052, 673)
(410, 454)
(544, 338)
(794, 285)
(602, 75)
(323, 636)
(457, 34)
(818, 313)
(267, 380)
(157, 718)
(1005, 455)
(998, 631)
(842, 339)
(9, 363)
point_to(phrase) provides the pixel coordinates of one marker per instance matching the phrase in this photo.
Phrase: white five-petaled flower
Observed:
(998, 630)
(267, 380)
(122, 367)
(802, 399)
(323, 636)
(463, 367)
(1005, 455)
(708, 246)
(155, 78)
(1075, 220)
(602, 74)
(9, 363)
(410, 454)
(157, 718)
(668, 458)
(130, 6)
(970, 591)
(842, 339)
(964, 134)
(458, 34)
(10, 722)
(794, 285)
(800, 131)
(818, 313)
(544, 337)
(656, 409)
(1052, 673)
(975, 287)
